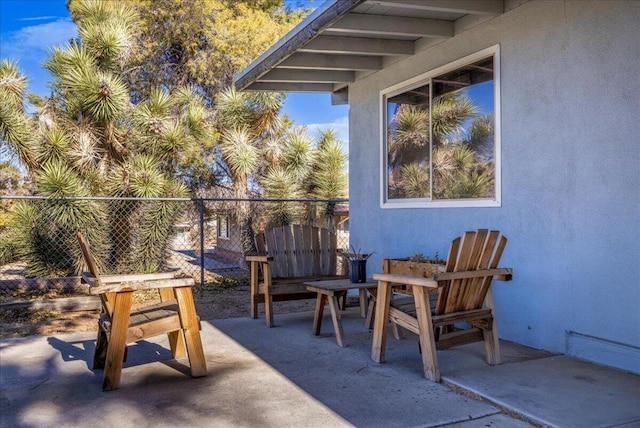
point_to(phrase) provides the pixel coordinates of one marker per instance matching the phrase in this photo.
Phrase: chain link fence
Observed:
(203, 238)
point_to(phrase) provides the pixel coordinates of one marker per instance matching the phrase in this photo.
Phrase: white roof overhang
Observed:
(345, 40)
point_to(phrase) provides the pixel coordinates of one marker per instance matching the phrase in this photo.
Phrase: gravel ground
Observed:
(211, 303)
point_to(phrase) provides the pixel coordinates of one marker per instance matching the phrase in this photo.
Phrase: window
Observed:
(223, 227)
(441, 137)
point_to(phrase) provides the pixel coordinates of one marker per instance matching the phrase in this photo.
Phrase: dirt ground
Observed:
(211, 303)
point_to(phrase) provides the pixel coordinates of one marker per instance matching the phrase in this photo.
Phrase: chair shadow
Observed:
(77, 350)
(139, 353)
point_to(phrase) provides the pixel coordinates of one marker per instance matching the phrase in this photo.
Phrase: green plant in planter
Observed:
(356, 255)
(357, 265)
(421, 258)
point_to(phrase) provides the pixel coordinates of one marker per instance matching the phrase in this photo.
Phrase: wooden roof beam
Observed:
(308, 76)
(290, 87)
(308, 29)
(332, 62)
(359, 46)
(393, 26)
(468, 7)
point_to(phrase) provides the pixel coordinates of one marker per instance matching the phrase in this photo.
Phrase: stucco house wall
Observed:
(570, 107)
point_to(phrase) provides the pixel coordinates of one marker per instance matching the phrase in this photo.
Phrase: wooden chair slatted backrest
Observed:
(300, 267)
(477, 250)
(309, 250)
(275, 248)
(299, 251)
(88, 258)
(106, 299)
(331, 243)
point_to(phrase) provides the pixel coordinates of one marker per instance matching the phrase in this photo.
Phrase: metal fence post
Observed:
(201, 209)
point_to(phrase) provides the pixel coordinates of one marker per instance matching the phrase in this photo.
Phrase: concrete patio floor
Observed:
(285, 377)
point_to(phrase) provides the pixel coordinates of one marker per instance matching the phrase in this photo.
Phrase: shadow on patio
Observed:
(284, 376)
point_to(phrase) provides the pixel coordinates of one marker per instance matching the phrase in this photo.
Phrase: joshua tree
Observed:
(264, 155)
(88, 139)
(307, 169)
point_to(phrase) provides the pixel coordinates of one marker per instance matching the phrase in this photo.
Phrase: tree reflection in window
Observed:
(440, 137)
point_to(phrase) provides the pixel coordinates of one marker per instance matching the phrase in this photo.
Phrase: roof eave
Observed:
(325, 15)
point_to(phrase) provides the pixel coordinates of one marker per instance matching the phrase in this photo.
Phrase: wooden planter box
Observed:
(404, 266)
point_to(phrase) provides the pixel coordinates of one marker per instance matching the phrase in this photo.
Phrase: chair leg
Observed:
(491, 346)
(383, 298)
(362, 293)
(268, 302)
(254, 306)
(491, 341)
(176, 342)
(427, 339)
(190, 325)
(317, 317)
(100, 354)
(335, 317)
(342, 300)
(371, 310)
(117, 341)
(395, 329)
(254, 290)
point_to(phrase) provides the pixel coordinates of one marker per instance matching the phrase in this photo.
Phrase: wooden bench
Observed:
(289, 256)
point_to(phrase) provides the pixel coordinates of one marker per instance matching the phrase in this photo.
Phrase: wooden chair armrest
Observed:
(110, 279)
(132, 285)
(257, 258)
(503, 274)
(406, 279)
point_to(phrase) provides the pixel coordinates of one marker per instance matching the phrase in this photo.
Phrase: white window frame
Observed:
(421, 80)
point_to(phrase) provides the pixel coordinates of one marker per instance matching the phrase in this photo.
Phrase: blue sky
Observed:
(30, 28)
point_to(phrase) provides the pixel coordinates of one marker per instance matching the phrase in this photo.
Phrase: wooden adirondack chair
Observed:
(461, 294)
(288, 256)
(119, 325)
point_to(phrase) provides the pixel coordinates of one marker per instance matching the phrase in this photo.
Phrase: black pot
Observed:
(358, 271)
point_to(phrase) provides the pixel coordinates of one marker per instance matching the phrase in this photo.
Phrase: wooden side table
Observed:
(329, 291)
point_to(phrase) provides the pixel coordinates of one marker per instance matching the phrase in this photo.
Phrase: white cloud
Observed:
(31, 45)
(340, 125)
(39, 18)
(33, 42)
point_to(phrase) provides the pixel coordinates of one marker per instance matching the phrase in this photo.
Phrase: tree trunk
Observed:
(330, 218)
(243, 216)
(246, 233)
